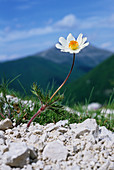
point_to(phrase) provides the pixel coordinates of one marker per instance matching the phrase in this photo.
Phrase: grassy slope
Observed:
(101, 78)
(36, 69)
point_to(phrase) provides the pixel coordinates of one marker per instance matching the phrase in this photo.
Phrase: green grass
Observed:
(50, 116)
(101, 78)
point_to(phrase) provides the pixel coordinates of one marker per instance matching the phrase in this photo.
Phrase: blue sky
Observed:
(31, 26)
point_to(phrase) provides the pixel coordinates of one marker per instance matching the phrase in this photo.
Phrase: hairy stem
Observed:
(44, 106)
(2, 115)
(65, 79)
(38, 113)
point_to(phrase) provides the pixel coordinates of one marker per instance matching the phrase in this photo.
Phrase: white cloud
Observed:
(98, 22)
(68, 21)
(20, 35)
(71, 21)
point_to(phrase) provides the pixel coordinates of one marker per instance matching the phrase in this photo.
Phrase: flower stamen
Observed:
(73, 45)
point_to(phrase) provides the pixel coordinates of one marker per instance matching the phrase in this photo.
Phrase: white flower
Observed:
(72, 45)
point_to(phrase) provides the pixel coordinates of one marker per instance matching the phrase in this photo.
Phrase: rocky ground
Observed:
(82, 146)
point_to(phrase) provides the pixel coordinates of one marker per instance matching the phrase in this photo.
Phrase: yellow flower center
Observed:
(73, 45)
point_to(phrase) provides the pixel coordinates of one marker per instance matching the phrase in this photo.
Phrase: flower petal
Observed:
(84, 45)
(84, 40)
(74, 51)
(79, 39)
(77, 51)
(70, 38)
(59, 46)
(63, 41)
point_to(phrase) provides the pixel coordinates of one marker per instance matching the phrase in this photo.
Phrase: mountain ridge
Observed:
(43, 70)
(90, 53)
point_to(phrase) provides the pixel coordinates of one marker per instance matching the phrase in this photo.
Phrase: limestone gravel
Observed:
(82, 146)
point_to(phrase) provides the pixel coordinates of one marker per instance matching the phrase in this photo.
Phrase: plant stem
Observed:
(44, 106)
(65, 79)
(2, 115)
(38, 113)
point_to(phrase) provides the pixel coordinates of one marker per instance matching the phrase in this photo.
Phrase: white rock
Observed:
(76, 141)
(56, 166)
(15, 100)
(33, 138)
(17, 134)
(62, 138)
(68, 109)
(107, 111)
(49, 125)
(49, 167)
(53, 135)
(94, 106)
(75, 149)
(44, 137)
(28, 167)
(90, 138)
(38, 131)
(32, 128)
(5, 124)
(111, 166)
(3, 148)
(1, 134)
(104, 132)
(89, 146)
(40, 164)
(105, 165)
(18, 155)
(33, 152)
(9, 97)
(62, 123)
(55, 151)
(89, 124)
(5, 167)
(40, 145)
(75, 167)
(62, 130)
(54, 127)
(112, 158)
(102, 159)
(2, 141)
(80, 131)
(92, 163)
(73, 126)
(87, 155)
(9, 131)
(57, 148)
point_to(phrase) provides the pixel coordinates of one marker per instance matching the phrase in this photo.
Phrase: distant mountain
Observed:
(89, 57)
(101, 78)
(51, 65)
(36, 69)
